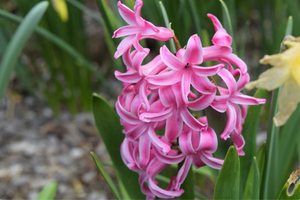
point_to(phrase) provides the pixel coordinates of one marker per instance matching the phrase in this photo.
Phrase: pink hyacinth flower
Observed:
(229, 100)
(130, 155)
(221, 50)
(184, 69)
(137, 29)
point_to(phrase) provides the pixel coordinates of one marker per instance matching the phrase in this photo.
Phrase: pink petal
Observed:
(166, 96)
(220, 103)
(173, 126)
(153, 67)
(207, 71)
(144, 149)
(202, 102)
(170, 59)
(163, 193)
(217, 24)
(136, 43)
(208, 141)
(128, 77)
(209, 160)
(157, 142)
(124, 45)
(127, 59)
(239, 98)
(193, 53)
(135, 132)
(162, 34)
(190, 120)
(243, 80)
(168, 78)
(185, 142)
(214, 53)
(239, 143)
(229, 80)
(183, 171)
(232, 58)
(155, 117)
(127, 30)
(125, 115)
(137, 11)
(168, 159)
(126, 154)
(126, 13)
(231, 120)
(197, 162)
(138, 59)
(203, 85)
(185, 85)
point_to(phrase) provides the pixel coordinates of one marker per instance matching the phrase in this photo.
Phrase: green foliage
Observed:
(228, 182)
(48, 192)
(106, 176)
(249, 132)
(110, 130)
(17, 43)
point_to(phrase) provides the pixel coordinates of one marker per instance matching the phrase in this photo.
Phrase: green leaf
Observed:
(64, 46)
(228, 20)
(188, 186)
(48, 192)
(291, 189)
(108, 125)
(167, 22)
(252, 185)
(18, 42)
(228, 182)
(106, 176)
(249, 132)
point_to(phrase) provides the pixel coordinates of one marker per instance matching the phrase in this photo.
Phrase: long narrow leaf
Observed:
(228, 20)
(108, 124)
(48, 192)
(167, 22)
(106, 176)
(249, 132)
(228, 182)
(63, 45)
(17, 43)
(188, 186)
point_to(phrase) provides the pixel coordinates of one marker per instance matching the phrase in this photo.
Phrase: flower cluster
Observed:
(160, 102)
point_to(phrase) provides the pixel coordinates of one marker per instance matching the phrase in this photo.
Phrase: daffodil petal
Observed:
(288, 101)
(270, 79)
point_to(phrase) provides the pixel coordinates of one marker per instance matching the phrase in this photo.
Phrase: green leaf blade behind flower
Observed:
(110, 130)
(252, 188)
(249, 133)
(48, 192)
(106, 176)
(228, 182)
(17, 43)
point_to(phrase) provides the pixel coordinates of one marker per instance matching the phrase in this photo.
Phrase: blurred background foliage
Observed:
(67, 79)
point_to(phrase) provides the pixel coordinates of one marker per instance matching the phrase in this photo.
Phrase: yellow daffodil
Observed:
(286, 72)
(61, 8)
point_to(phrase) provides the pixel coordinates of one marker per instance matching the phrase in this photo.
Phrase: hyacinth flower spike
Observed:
(137, 29)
